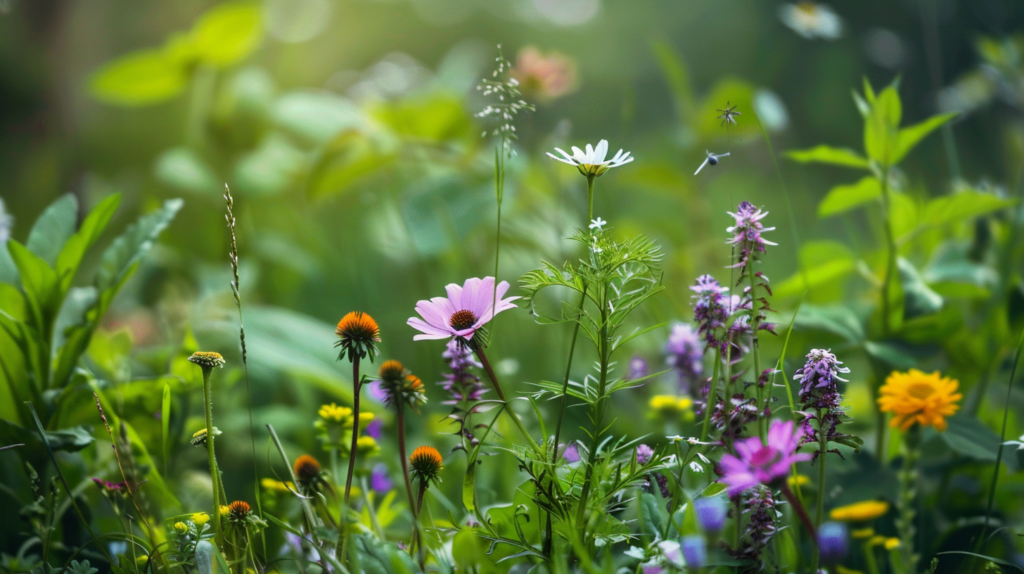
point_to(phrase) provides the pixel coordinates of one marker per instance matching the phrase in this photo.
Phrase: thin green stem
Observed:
(413, 507)
(565, 381)
(501, 395)
(214, 473)
(357, 387)
(890, 259)
(907, 495)
(712, 395)
(869, 556)
(499, 195)
(598, 416)
(755, 323)
(819, 506)
(307, 509)
(590, 197)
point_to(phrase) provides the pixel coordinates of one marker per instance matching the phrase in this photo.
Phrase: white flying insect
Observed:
(712, 159)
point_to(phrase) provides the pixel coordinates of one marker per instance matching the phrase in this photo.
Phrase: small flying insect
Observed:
(711, 159)
(728, 115)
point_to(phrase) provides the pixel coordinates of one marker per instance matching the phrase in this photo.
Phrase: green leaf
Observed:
(822, 263)
(678, 76)
(970, 437)
(918, 298)
(347, 160)
(69, 440)
(182, 169)
(829, 155)
(890, 354)
(316, 117)
(653, 516)
(227, 33)
(270, 168)
(961, 206)
(983, 557)
(843, 198)
(882, 125)
(140, 78)
(837, 320)
(909, 137)
(74, 250)
(53, 229)
(41, 286)
(165, 422)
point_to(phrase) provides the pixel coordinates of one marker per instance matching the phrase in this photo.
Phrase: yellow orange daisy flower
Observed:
(917, 397)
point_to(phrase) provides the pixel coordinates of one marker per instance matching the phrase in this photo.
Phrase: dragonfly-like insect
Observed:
(711, 159)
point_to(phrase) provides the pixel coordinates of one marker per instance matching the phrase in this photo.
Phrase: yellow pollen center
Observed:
(920, 390)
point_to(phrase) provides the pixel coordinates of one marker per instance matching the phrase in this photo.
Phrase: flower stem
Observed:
(357, 387)
(890, 258)
(565, 381)
(819, 506)
(590, 198)
(598, 416)
(214, 472)
(762, 422)
(908, 493)
(801, 513)
(501, 395)
(419, 512)
(405, 471)
(712, 395)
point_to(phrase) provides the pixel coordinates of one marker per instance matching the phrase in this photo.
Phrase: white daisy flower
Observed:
(592, 162)
(812, 20)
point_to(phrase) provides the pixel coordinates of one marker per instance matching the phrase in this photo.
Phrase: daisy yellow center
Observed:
(920, 390)
(461, 320)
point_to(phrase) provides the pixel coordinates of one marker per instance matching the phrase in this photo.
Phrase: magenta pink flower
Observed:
(760, 463)
(466, 309)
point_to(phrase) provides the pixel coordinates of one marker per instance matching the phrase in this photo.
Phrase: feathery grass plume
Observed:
(233, 257)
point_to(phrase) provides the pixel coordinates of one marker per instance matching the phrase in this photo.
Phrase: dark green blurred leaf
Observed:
(837, 320)
(829, 155)
(961, 206)
(843, 198)
(909, 137)
(822, 262)
(653, 516)
(69, 440)
(970, 437)
(882, 125)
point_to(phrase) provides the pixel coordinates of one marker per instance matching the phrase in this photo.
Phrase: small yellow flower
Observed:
(860, 511)
(917, 397)
(798, 480)
(862, 533)
(224, 510)
(366, 444)
(334, 413)
(180, 527)
(200, 518)
(840, 569)
(277, 485)
(892, 543)
(670, 403)
(877, 540)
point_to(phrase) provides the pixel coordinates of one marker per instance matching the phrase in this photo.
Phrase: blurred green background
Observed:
(347, 132)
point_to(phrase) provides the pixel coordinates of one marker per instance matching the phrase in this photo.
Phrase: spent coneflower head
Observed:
(307, 469)
(358, 335)
(465, 311)
(391, 371)
(239, 510)
(917, 397)
(426, 464)
(207, 360)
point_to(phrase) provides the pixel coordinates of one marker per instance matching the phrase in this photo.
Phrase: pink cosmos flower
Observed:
(760, 463)
(466, 309)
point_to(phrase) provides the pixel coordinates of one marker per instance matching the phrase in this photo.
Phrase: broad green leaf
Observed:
(139, 79)
(53, 229)
(69, 440)
(890, 354)
(182, 169)
(843, 198)
(270, 168)
(830, 155)
(74, 250)
(434, 118)
(960, 206)
(969, 436)
(41, 286)
(882, 125)
(909, 137)
(653, 516)
(316, 117)
(822, 262)
(918, 298)
(837, 320)
(349, 159)
(227, 33)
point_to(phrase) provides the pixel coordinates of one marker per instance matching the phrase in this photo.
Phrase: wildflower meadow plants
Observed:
(710, 421)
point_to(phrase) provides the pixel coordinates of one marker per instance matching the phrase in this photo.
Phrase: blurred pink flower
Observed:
(466, 309)
(760, 463)
(544, 76)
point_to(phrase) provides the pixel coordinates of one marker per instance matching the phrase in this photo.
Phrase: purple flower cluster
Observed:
(685, 355)
(746, 235)
(760, 506)
(461, 383)
(644, 454)
(711, 309)
(820, 397)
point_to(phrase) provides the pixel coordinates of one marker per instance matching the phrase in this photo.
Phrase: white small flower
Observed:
(592, 162)
(712, 159)
(696, 467)
(812, 20)
(598, 224)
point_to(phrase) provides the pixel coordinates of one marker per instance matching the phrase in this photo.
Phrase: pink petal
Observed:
(432, 313)
(454, 296)
(429, 331)
(473, 292)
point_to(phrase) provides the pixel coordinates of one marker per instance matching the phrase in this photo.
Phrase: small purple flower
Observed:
(760, 463)
(571, 453)
(832, 541)
(820, 397)
(107, 486)
(466, 309)
(644, 454)
(711, 513)
(695, 551)
(377, 392)
(461, 383)
(379, 480)
(374, 429)
(685, 355)
(747, 233)
(710, 308)
(637, 368)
